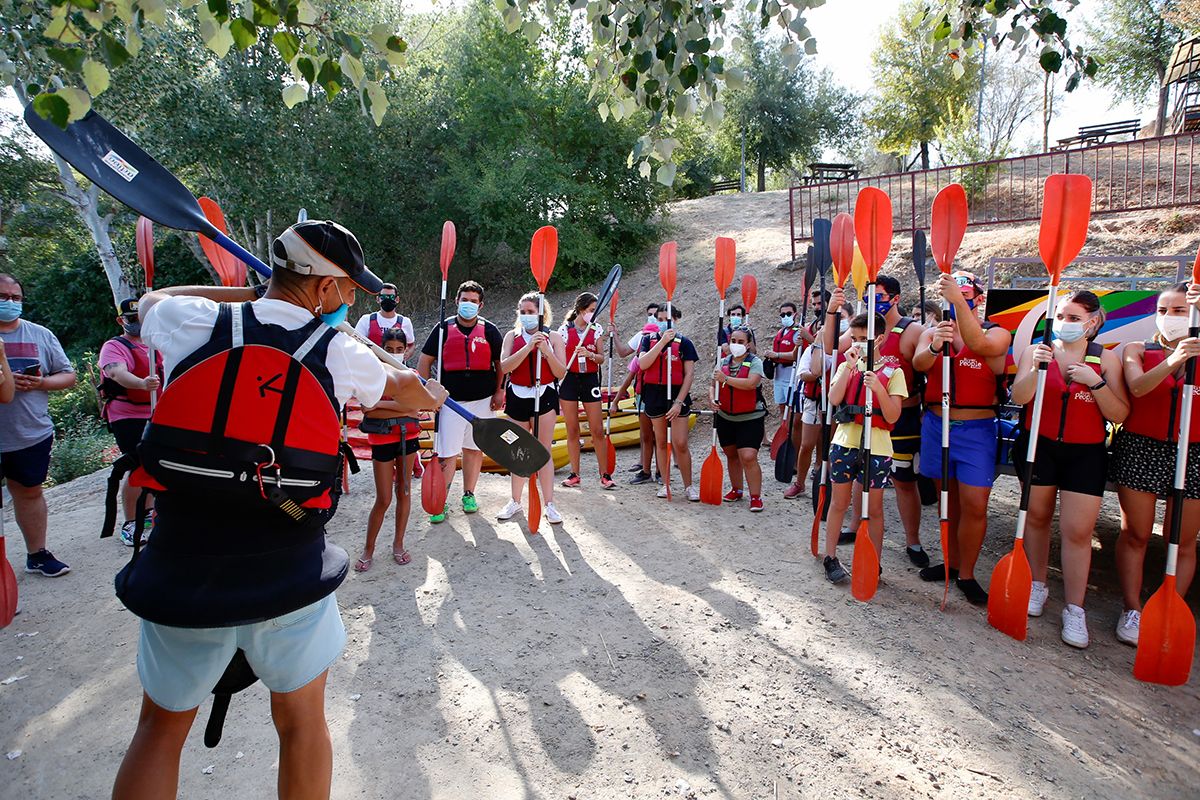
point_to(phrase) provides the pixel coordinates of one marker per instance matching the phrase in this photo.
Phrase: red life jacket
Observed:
(1070, 413)
(738, 401)
(1156, 414)
(375, 330)
(111, 390)
(589, 344)
(469, 351)
(972, 382)
(891, 350)
(812, 389)
(856, 395)
(785, 340)
(524, 374)
(657, 373)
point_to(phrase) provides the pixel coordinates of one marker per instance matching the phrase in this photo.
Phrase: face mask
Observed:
(735, 322)
(338, 315)
(737, 349)
(651, 319)
(1172, 328)
(662, 325)
(132, 328)
(884, 306)
(387, 303)
(9, 310)
(529, 322)
(1067, 331)
(787, 320)
(843, 325)
(952, 313)
(587, 318)
(468, 310)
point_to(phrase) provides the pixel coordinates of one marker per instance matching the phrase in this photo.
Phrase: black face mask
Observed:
(387, 303)
(132, 328)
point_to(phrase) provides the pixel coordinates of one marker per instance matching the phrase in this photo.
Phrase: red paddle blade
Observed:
(145, 248)
(873, 228)
(449, 242)
(1008, 594)
(8, 588)
(725, 264)
(610, 458)
(230, 270)
(535, 505)
(712, 479)
(666, 267)
(1196, 268)
(666, 471)
(945, 526)
(1166, 639)
(864, 574)
(543, 253)
(1066, 207)
(814, 545)
(612, 307)
(948, 223)
(749, 292)
(841, 247)
(781, 436)
(433, 488)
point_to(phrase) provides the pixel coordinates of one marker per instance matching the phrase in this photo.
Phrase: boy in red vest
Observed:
(371, 326)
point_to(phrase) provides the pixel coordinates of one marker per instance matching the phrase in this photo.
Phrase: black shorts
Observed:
(391, 450)
(521, 408)
(742, 435)
(29, 465)
(581, 387)
(654, 400)
(906, 443)
(127, 432)
(1080, 468)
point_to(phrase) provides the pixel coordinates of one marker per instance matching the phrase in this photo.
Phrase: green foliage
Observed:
(82, 445)
(1133, 40)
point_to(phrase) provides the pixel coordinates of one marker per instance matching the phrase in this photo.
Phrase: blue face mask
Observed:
(884, 306)
(9, 310)
(735, 322)
(529, 322)
(787, 320)
(662, 325)
(468, 310)
(951, 315)
(338, 315)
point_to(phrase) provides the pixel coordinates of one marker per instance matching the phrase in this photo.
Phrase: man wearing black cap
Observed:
(238, 559)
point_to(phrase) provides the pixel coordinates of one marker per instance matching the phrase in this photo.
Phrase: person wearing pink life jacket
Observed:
(244, 453)
(740, 415)
(125, 390)
(1143, 458)
(584, 340)
(533, 391)
(371, 326)
(1084, 391)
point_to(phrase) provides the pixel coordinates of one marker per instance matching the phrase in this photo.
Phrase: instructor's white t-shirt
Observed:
(178, 326)
(363, 326)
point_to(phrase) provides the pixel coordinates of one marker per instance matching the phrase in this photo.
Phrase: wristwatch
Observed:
(934, 352)
(1099, 385)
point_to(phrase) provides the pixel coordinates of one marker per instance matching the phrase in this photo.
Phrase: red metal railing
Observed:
(1137, 175)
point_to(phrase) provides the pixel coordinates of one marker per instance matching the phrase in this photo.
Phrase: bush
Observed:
(82, 445)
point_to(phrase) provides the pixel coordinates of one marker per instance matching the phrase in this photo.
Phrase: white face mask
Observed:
(737, 349)
(1068, 331)
(1172, 328)
(529, 322)
(844, 325)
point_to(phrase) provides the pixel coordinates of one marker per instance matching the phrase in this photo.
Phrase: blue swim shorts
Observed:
(973, 444)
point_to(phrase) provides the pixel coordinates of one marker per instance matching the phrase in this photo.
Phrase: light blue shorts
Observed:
(781, 391)
(180, 666)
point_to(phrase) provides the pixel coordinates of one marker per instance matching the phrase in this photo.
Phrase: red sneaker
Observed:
(756, 503)
(733, 495)
(572, 480)
(418, 467)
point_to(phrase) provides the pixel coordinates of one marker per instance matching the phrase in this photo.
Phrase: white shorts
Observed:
(454, 432)
(810, 413)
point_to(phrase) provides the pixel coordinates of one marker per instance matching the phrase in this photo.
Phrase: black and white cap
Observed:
(323, 247)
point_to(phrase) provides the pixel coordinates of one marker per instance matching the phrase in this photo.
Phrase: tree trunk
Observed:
(1047, 111)
(192, 240)
(762, 174)
(924, 155)
(1160, 120)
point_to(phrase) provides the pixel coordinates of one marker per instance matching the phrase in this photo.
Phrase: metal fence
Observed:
(1182, 264)
(1137, 175)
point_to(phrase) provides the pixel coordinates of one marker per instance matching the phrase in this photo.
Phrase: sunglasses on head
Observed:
(963, 280)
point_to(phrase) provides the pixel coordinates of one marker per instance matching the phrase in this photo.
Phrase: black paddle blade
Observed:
(118, 166)
(822, 228)
(607, 291)
(785, 462)
(810, 272)
(509, 445)
(919, 255)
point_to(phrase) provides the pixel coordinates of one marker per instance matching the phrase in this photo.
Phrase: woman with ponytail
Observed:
(581, 386)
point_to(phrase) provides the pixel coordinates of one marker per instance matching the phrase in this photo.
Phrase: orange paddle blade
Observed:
(1066, 207)
(1166, 640)
(873, 227)
(749, 292)
(449, 242)
(781, 436)
(666, 471)
(8, 588)
(725, 264)
(612, 307)
(841, 247)
(1008, 594)
(145, 248)
(948, 223)
(433, 488)
(864, 574)
(1196, 268)
(712, 479)
(543, 253)
(945, 526)
(816, 523)
(535, 505)
(230, 270)
(666, 267)
(610, 458)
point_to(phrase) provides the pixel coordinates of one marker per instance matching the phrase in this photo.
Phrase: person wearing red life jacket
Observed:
(1143, 459)
(784, 352)
(530, 390)
(669, 404)
(808, 419)
(1085, 390)
(979, 355)
(395, 441)
(848, 391)
(245, 455)
(583, 339)
(371, 326)
(740, 415)
(126, 389)
(655, 313)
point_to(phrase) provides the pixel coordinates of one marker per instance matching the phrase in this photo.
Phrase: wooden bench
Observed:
(726, 186)
(1098, 134)
(821, 172)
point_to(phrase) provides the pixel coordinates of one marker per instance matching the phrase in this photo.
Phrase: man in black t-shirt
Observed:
(470, 371)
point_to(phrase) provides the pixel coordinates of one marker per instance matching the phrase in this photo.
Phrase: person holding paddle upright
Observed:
(582, 336)
(784, 353)
(740, 415)
(669, 404)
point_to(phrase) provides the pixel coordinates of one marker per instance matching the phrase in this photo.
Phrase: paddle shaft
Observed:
(153, 356)
(1039, 399)
(441, 345)
(537, 373)
(868, 402)
(1181, 449)
(944, 505)
(716, 391)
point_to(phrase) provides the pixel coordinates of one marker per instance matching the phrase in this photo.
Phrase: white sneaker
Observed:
(1128, 626)
(127, 531)
(552, 515)
(662, 492)
(509, 511)
(1074, 629)
(693, 494)
(1037, 599)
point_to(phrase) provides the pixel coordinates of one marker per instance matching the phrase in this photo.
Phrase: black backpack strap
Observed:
(120, 468)
(238, 676)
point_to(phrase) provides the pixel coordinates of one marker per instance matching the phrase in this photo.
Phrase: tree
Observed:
(917, 97)
(1133, 40)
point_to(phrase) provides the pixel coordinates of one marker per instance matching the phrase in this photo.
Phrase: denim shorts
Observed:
(180, 666)
(973, 445)
(783, 391)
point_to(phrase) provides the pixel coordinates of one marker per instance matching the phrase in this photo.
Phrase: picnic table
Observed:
(822, 172)
(1098, 134)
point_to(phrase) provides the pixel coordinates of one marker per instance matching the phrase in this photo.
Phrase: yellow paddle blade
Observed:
(858, 273)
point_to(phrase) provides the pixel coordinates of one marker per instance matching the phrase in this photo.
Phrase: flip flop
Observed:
(363, 564)
(402, 557)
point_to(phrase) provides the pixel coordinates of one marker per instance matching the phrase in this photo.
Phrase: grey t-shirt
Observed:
(26, 420)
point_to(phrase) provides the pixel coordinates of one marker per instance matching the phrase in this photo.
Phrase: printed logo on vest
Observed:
(971, 363)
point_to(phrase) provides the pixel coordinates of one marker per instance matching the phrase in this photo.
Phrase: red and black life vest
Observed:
(580, 364)
(525, 373)
(856, 396)
(466, 351)
(812, 389)
(657, 372)
(738, 401)
(891, 351)
(1070, 412)
(375, 330)
(111, 390)
(785, 340)
(1156, 414)
(973, 384)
